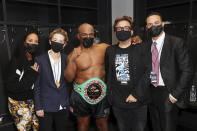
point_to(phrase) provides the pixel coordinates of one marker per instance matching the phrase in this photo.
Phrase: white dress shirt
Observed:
(56, 69)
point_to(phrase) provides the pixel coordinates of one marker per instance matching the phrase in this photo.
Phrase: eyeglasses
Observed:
(87, 35)
(125, 28)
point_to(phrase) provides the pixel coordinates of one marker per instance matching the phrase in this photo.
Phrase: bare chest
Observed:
(88, 60)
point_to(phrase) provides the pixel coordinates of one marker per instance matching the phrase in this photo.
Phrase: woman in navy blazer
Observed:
(50, 92)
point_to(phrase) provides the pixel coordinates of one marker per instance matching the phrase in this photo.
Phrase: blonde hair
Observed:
(59, 31)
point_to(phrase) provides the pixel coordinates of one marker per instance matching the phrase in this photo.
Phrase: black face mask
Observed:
(123, 35)
(155, 30)
(87, 42)
(31, 48)
(57, 47)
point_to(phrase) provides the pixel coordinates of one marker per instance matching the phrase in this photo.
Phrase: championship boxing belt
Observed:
(92, 91)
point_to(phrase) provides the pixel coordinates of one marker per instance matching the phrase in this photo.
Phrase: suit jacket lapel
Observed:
(148, 49)
(50, 70)
(62, 69)
(164, 52)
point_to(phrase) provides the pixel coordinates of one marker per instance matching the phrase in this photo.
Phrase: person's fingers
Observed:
(42, 113)
(134, 100)
(36, 66)
(127, 100)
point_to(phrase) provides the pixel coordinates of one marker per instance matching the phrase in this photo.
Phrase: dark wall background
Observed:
(3, 63)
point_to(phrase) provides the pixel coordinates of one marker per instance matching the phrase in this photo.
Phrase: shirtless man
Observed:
(86, 69)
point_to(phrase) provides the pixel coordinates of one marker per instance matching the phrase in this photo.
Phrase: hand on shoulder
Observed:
(136, 40)
(35, 67)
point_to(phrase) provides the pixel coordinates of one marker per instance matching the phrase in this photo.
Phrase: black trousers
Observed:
(163, 113)
(51, 120)
(133, 119)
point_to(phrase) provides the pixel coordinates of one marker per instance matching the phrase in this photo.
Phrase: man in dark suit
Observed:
(50, 90)
(170, 76)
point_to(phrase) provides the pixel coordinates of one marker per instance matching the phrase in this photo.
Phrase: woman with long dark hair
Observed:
(22, 74)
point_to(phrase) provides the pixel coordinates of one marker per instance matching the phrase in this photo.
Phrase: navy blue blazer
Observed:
(46, 94)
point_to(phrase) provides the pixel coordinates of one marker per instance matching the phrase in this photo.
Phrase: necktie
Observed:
(155, 62)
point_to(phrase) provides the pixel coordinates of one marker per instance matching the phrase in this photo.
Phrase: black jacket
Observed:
(175, 67)
(20, 78)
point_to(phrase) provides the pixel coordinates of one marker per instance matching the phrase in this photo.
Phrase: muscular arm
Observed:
(71, 69)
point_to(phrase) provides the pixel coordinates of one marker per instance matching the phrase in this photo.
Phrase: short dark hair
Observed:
(155, 13)
(126, 18)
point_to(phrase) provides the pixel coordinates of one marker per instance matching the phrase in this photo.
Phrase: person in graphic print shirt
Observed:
(127, 77)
